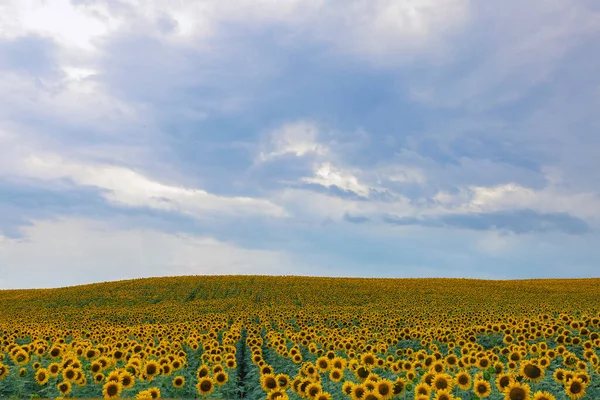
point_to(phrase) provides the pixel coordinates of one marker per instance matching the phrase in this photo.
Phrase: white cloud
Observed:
(71, 25)
(507, 63)
(377, 30)
(74, 251)
(399, 173)
(388, 31)
(299, 138)
(128, 187)
(327, 175)
(75, 100)
(512, 196)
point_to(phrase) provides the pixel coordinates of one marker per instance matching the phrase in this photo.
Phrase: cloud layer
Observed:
(381, 138)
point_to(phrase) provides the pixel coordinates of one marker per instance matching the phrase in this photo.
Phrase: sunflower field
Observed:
(262, 337)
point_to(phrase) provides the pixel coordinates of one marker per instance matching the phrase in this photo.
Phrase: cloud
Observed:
(509, 196)
(299, 138)
(311, 124)
(327, 175)
(355, 219)
(516, 221)
(75, 251)
(71, 25)
(130, 188)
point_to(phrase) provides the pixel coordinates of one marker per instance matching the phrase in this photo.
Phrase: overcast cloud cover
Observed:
(380, 138)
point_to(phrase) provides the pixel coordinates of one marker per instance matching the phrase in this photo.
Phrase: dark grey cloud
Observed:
(516, 221)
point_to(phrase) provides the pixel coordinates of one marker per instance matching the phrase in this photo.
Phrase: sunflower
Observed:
(504, 380)
(585, 378)
(205, 386)
(143, 395)
(346, 388)
(277, 394)
(268, 382)
(368, 359)
(151, 368)
(543, 396)
(517, 391)
(112, 389)
(384, 388)
(265, 369)
(313, 389)
(95, 367)
(323, 396)
(559, 375)
(99, 377)
(3, 371)
(178, 382)
(423, 388)
(358, 392)
(442, 381)
(463, 380)
(41, 376)
(113, 376)
(482, 388)
(437, 367)
(21, 357)
(568, 375)
(361, 373)
(64, 388)
(36, 365)
(283, 381)
(166, 369)
(336, 375)
(154, 392)
(322, 364)
(53, 370)
(369, 385)
(221, 378)
(202, 372)
(302, 386)
(575, 388)
(127, 380)
(69, 374)
(443, 395)
(531, 372)
(55, 352)
(428, 377)
(483, 363)
(23, 372)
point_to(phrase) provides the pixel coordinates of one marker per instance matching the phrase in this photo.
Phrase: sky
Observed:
(377, 138)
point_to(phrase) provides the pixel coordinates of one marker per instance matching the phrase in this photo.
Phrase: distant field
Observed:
(258, 337)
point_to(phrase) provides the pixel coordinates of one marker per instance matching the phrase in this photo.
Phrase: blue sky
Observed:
(374, 138)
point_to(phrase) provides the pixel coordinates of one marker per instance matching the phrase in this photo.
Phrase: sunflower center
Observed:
(532, 371)
(517, 394)
(111, 390)
(441, 384)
